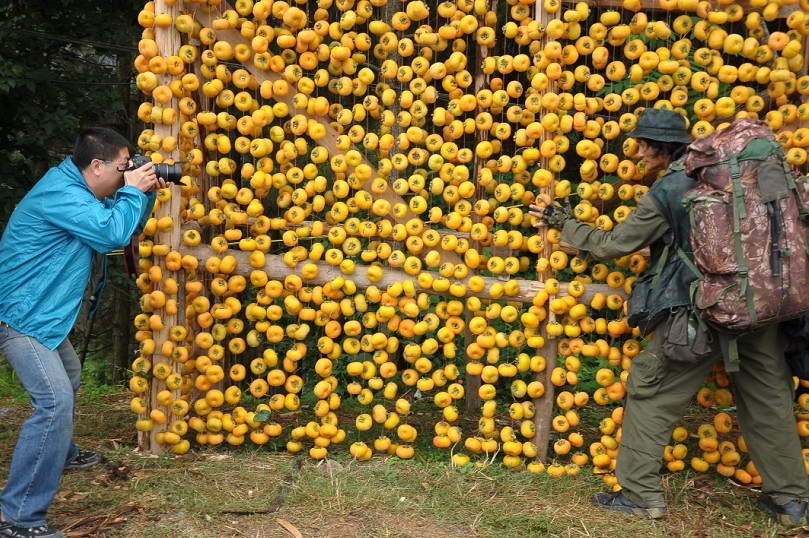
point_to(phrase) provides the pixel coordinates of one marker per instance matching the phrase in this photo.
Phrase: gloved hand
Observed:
(556, 215)
(548, 213)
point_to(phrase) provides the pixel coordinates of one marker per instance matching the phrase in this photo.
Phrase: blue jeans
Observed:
(51, 378)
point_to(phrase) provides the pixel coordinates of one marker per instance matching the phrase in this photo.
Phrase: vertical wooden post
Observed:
(147, 440)
(168, 43)
(544, 404)
(481, 80)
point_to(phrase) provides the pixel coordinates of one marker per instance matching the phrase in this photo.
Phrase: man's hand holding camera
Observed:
(157, 175)
(144, 178)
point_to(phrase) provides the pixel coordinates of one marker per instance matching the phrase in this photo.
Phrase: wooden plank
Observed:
(656, 6)
(481, 81)
(544, 404)
(564, 247)
(276, 269)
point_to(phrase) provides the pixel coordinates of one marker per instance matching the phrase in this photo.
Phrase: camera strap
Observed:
(131, 257)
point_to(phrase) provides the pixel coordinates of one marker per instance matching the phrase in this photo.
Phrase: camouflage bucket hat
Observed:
(661, 125)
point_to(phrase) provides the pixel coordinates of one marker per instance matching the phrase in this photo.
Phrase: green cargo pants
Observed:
(658, 390)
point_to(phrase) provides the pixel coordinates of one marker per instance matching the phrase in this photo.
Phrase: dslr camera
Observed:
(166, 172)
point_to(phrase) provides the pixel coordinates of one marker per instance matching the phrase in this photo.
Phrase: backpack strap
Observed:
(130, 252)
(738, 194)
(776, 225)
(739, 212)
(688, 202)
(730, 351)
(668, 239)
(688, 263)
(697, 273)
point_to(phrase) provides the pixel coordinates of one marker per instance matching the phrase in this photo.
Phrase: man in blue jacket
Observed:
(90, 203)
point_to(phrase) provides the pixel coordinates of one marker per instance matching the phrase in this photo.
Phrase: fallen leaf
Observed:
(290, 528)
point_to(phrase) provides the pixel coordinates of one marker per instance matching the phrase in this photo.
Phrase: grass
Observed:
(253, 492)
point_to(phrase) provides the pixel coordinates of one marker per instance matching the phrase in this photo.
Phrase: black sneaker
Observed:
(10, 531)
(618, 502)
(85, 460)
(792, 513)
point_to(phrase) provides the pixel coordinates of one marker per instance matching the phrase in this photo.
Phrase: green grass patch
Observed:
(254, 491)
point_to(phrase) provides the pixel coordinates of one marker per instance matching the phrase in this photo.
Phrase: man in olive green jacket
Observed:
(660, 384)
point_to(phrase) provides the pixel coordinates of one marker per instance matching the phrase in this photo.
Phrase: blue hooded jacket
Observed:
(47, 248)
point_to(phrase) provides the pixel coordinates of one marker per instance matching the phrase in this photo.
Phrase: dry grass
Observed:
(248, 492)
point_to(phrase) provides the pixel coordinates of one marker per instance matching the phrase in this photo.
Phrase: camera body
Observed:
(167, 172)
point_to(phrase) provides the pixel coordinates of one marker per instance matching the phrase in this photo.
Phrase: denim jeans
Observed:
(51, 378)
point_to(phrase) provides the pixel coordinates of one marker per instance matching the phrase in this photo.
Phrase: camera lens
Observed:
(169, 172)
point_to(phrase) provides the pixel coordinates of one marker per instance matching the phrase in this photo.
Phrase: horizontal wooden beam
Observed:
(276, 269)
(655, 6)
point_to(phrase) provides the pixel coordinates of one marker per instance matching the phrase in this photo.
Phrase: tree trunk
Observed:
(121, 335)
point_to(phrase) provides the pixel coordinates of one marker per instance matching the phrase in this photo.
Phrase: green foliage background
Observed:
(65, 66)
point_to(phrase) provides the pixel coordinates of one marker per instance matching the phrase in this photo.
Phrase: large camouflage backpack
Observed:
(749, 230)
